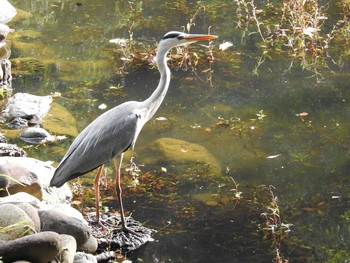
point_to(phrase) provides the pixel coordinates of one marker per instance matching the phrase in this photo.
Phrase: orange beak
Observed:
(197, 37)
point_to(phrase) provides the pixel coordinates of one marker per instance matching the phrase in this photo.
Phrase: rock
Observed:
(32, 213)
(5, 70)
(35, 135)
(7, 11)
(62, 224)
(18, 123)
(90, 246)
(69, 247)
(44, 172)
(26, 106)
(181, 155)
(65, 209)
(4, 182)
(107, 256)
(4, 30)
(20, 198)
(12, 150)
(40, 248)
(16, 222)
(3, 138)
(81, 257)
(60, 121)
(53, 195)
(22, 180)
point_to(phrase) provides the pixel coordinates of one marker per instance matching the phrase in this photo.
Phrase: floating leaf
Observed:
(273, 156)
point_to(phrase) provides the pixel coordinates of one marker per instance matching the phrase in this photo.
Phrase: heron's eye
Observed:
(180, 37)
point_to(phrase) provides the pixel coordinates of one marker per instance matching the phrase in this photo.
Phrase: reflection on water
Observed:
(307, 153)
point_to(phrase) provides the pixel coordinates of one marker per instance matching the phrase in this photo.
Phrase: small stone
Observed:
(40, 248)
(12, 150)
(35, 135)
(90, 246)
(69, 247)
(81, 257)
(18, 123)
(16, 222)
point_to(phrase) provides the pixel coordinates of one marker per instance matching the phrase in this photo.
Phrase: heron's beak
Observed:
(197, 37)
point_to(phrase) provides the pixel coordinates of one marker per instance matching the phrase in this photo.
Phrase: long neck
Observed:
(153, 102)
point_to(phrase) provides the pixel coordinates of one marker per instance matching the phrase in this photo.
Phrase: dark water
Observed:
(306, 159)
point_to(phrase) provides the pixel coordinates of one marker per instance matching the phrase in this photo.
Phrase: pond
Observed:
(273, 117)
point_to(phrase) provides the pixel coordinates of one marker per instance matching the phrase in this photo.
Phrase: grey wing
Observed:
(106, 137)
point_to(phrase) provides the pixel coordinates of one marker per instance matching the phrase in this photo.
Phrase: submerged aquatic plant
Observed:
(297, 28)
(271, 225)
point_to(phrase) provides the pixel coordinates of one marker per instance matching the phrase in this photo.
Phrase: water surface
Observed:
(306, 159)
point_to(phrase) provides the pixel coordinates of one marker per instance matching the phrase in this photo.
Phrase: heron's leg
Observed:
(119, 194)
(97, 192)
(119, 189)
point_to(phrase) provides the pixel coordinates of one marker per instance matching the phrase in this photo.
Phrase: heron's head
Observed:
(175, 38)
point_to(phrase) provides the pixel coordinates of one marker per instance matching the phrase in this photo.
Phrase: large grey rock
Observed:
(44, 172)
(16, 222)
(7, 11)
(69, 247)
(62, 224)
(39, 248)
(26, 106)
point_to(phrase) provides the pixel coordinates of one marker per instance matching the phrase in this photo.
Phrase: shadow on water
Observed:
(278, 128)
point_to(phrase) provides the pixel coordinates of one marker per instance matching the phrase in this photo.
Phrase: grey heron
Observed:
(116, 130)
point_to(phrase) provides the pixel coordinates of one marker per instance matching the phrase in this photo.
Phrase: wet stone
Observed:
(35, 135)
(18, 123)
(115, 238)
(13, 150)
(181, 155)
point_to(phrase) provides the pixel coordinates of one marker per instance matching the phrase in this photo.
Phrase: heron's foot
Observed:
(127, 229)
(100, 226)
